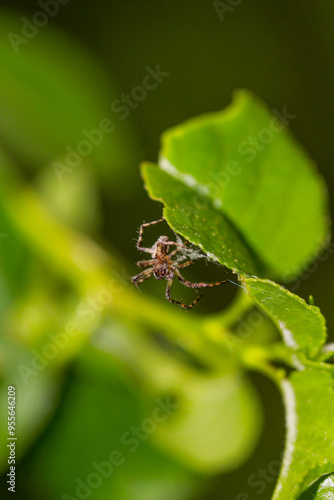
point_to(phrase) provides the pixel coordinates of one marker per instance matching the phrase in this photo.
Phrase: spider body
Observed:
(161, 246)
(162, 265)
(162, 270)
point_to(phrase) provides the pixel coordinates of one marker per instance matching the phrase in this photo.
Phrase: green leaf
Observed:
(303, 327)
(323, 489)
(190, 214)
(309, 450)
(270, 193)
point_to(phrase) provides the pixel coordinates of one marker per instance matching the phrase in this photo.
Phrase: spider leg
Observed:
(141, 234)
(145, 263)
(180, 245)
(197, 285)
(139, 278)
(185, 264)
(173, 253)
(177, 249)
(168, 297)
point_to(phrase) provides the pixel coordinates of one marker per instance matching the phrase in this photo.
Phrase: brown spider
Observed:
(162, 265)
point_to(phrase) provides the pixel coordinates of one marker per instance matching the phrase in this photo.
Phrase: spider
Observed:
(163, 266)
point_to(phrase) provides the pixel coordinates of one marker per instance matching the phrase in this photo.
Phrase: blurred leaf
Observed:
(15, 259)
(98, 415)
(303, 327)
(189, 214)
(36, 396)
(33, 316)
(309, 450)
(217, 417)
(53, 95)
(241, 165)
(216, 426)
(75, 201)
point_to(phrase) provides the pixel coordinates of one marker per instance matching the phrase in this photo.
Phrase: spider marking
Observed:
(162, 265)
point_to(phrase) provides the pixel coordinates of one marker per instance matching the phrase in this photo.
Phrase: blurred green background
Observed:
(62, 81)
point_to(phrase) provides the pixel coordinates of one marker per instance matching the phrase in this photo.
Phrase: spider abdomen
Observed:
(161, 271)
